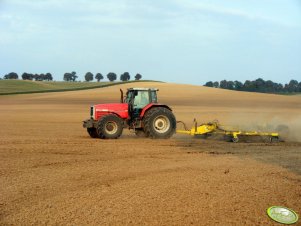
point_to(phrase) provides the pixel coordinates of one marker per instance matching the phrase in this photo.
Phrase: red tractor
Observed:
(139, 110)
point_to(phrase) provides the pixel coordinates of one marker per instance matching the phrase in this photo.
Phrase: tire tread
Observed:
(150, 115)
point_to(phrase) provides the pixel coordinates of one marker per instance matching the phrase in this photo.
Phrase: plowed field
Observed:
(52, 172)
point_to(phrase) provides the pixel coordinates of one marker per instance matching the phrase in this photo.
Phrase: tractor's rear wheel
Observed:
(109, 127)
(92, 132)
(159, 123)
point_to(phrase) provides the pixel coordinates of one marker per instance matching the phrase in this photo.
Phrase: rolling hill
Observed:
(11, 86)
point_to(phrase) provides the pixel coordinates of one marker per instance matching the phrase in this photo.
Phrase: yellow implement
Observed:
(214, 127)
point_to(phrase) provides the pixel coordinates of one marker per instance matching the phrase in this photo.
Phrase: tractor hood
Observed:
(120, 109)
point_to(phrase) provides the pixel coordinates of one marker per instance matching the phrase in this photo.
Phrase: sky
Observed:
(180, 41)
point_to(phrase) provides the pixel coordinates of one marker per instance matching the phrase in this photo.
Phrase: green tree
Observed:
(48, 77)
(89, 76)
(125, 77)
(230, 85)
(39, 77)
(278, 87)
(11, 75)
(259, 85)
(99, 77)
(270, 87)
(27, 76)
(70, 76)
(67, 77)
(249, 86)
(238, 85)
(73, 76)
(292, 86)
(223, 84)
(111, 76)
(138, 76)
(216, 84)
(209, 84)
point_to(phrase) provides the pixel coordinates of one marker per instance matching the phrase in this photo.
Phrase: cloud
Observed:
(192, 5)
(246, 12)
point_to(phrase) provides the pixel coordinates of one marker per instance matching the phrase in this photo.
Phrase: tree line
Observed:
(71, 77)
(29, 76)
(258, 85)
(111, 76)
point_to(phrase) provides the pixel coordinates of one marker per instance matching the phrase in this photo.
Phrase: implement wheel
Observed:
(274, 139)
(235, 139)
(109, 127)
(159, 123)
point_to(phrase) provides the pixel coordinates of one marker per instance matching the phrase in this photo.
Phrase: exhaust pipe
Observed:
(121, 96)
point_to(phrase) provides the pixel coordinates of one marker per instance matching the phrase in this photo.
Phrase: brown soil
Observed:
(52, 172)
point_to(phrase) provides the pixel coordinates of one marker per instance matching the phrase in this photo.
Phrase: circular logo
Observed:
(282, 215)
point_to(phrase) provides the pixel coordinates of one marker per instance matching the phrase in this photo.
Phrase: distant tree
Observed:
(48, 77)
(73, 76)
(39, 77)
(68, 77)
(216, 84)
(27, 76)
(11, 75)
(89, 76)
(223, 84)
(230, 85)
(248, 86)
(31, 76)
(292, 86)
(278, 87)
(99, 77)
(111, 76)
(138, 76)
(259, 85)
(35, 76)
(238, 85)
(125, 77)
(270, 86)
(209, 84)
(24, 76)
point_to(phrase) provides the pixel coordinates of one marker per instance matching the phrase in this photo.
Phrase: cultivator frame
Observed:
(207, 129)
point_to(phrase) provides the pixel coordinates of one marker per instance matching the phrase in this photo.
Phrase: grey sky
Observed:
(183, 41)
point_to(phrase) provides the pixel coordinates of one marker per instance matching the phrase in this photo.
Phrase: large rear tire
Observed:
(109, 127)
(92, 132)
(159, 123)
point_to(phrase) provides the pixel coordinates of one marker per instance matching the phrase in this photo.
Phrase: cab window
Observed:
(154, 97)
(141, 99)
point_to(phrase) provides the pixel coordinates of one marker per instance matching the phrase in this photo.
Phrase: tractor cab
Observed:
(138, 98)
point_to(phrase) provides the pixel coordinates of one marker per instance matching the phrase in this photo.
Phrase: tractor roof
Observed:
(143, 89)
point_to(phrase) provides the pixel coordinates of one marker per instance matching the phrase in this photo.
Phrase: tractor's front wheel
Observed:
(109, 127)
(159, 123)
(92, 132)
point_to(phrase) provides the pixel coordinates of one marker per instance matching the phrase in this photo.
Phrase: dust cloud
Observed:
(289, 129)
